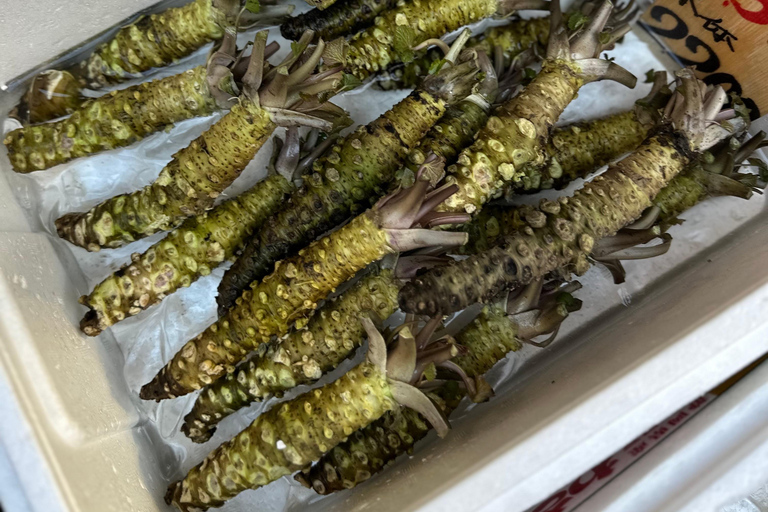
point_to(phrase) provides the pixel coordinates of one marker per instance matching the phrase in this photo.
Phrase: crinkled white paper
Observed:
(152, 338)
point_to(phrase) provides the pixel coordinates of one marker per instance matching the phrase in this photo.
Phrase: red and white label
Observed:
(575, 493)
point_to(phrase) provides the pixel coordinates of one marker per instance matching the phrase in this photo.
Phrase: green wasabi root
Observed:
(512, 143)
(354, 173)
(114, 120)
(704, 179)
(291, 435)
(332, 335)
(696, 183)
(196, 176)
(578, 150)
(192, 250)
(395, 32)
(371, 449)
(285, 439)
(341, 18)
(153, 41)
(455, 130)
(123, 117)
(503, 44)
(161, 39)
(271, 306)
(187, 186)
(563, 237)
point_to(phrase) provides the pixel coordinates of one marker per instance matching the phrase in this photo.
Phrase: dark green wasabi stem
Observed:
(332, 335)
(291, 435)
(356, 171)
(489, 338)
(564, 236)
(508, 41)
(343, 17)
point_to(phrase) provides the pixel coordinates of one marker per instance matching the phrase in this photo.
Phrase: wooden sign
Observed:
(725, 40)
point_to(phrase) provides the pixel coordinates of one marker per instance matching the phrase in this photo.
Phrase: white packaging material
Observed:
(716, 462)
(85, 418)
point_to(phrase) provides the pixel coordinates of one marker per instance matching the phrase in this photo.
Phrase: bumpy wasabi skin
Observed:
(580, 149)
(689, 189)
(692, 186)
(377, 47)
(271, 306)
(455, 131)
(343, 17)
(187, 186)
(356, 170)
(114, 120)
(192, 250)
(511, 39)
(488, 338)
(514, 138)
(373, 448)
(286, 439)
(332, 335)
(153, 41)
(512, 144)
(560, 237)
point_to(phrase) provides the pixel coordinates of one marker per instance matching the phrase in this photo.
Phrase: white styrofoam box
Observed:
(717, 461)
(81, 441)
